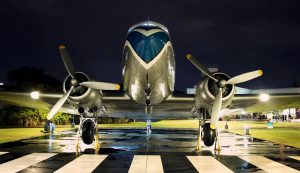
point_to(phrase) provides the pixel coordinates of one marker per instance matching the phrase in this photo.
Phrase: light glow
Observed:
(264, 97)
(35, 95)
(134, 89)
(162, 88)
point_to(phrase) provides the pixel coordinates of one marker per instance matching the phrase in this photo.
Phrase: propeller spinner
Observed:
(217, 105)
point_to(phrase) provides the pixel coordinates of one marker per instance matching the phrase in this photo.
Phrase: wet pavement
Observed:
(171, 150)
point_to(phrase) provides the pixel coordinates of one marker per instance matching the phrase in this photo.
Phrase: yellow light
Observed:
(62, 46)
(35, 95)
(213, 126)
(189, 56)
(264, 97)
(118, 87)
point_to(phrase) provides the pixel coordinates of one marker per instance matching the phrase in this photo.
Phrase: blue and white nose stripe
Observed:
(147, 44)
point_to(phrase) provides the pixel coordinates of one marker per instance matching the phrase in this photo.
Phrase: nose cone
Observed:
(148, 39)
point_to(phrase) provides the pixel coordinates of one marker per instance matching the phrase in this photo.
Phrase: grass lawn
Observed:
(288, 135)
(158, 124)
(282, 133)
(15, 134)
(256, 124)
(194, 124)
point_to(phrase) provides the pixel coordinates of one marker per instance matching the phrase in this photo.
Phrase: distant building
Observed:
(191, 90)
(240, 90)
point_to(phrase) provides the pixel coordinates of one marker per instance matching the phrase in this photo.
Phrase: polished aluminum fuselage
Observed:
(157, 74)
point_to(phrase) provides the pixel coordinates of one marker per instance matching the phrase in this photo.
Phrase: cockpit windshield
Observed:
(148, 46)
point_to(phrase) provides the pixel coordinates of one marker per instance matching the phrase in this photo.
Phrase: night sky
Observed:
(234, 35)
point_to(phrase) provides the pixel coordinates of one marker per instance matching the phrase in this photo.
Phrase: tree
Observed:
(29, 117)
(29, 79)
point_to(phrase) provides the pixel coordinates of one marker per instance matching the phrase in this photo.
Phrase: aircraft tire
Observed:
(88, 132)
(209, 135)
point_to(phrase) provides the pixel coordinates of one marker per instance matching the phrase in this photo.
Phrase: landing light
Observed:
(35, 95)
(264, 97)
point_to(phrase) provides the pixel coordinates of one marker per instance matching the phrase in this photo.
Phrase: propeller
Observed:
(100, 85)
(74, 82)
(217, 104)
(59, 103)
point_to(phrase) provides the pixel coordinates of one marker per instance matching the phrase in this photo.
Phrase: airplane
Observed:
(148, 89)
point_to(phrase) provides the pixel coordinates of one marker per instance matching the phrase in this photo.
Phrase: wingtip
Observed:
(118, 87)
(61, 46)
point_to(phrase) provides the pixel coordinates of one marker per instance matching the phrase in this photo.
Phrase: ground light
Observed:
(246, 130)
(264, 97)
(35, 95)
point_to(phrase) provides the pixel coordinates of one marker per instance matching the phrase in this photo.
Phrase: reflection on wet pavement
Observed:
(160, 140)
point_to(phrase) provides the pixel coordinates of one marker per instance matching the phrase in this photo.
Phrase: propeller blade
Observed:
(216, 109)
(244, 77)
(59, 104)
(201, 67)
(67, 60)
(101, 85)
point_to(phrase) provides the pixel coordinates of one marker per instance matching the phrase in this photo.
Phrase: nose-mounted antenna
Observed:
(148, 21)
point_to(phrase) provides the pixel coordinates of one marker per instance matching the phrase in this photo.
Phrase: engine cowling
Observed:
(207, 90)
(83, 97)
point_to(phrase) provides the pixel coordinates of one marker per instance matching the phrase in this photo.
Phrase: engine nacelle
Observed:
(83, 97)
(208, 88)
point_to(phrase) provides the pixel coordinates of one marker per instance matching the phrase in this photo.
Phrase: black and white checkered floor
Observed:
(118, 163)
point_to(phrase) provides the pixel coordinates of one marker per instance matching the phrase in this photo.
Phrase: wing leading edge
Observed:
(174, 107)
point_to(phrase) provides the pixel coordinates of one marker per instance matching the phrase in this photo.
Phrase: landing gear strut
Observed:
(97, 143)
(217, 143)
(198, 147)
(78, 149)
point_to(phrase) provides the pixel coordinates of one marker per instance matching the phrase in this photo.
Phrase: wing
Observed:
(252, 103)
(174, 107)
(117, 105)
(181, 106)
(46, 101)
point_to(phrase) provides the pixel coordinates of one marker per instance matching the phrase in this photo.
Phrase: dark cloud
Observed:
(236, 36)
